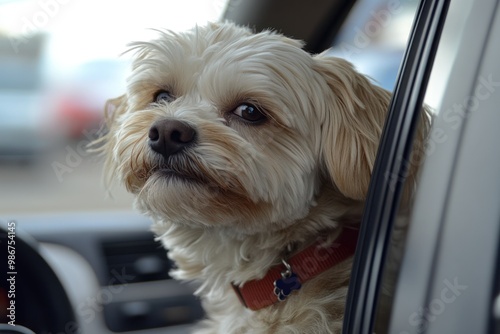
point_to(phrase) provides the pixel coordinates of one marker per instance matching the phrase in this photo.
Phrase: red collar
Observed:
(303, 266)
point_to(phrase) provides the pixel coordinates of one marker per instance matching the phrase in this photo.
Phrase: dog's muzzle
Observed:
(168, 137)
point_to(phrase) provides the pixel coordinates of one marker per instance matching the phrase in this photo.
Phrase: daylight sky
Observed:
(81, 30)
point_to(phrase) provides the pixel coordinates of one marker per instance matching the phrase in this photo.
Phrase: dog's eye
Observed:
(249, 113)
(163, 95)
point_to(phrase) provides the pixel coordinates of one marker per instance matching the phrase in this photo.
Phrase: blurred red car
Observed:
(79, 100)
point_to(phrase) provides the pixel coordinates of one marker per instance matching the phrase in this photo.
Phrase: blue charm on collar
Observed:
(288, 283)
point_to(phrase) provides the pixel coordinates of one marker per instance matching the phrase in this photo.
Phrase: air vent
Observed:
(137, 260)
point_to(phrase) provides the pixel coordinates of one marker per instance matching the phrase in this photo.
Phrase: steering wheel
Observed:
(9, 329)
(41, 304)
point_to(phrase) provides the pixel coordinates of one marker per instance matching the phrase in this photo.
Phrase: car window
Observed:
(447, 277)
(374, 38)
(436, 136)
(394, 179)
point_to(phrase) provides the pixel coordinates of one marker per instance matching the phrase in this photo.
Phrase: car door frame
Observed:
(384, 193)
(435, 212)
(449, 285)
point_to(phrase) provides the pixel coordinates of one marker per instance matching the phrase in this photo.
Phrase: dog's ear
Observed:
(112, 110)
(352, 120)
(106, 141)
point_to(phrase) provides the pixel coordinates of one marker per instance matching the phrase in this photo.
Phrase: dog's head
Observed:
(223, 127)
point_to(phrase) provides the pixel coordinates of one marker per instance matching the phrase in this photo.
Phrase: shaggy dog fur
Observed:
(228, 207)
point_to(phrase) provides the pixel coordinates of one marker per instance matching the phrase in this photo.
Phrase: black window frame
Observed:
(395, 147)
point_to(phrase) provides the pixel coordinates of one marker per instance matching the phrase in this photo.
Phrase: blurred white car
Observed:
(22, 115)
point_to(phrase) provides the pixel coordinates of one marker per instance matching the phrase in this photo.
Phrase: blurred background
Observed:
(60, 61)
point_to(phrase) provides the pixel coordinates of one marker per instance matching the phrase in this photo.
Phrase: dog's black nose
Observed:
(169, 137)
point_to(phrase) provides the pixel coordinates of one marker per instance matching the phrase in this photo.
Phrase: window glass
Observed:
(374, 38)
(424, 145)
(59, 62)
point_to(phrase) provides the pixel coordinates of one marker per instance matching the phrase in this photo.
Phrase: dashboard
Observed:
(112, 272)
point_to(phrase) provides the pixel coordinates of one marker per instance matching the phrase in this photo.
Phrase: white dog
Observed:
(253, 158)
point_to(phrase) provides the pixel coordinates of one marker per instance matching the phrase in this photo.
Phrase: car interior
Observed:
(86, 262)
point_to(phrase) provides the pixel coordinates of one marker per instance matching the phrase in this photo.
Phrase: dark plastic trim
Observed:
(316, 23)
(47, 298)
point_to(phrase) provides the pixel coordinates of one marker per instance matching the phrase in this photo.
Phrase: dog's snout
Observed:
(169, 137)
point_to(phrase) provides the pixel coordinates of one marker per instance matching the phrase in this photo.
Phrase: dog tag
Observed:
(288, 283)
